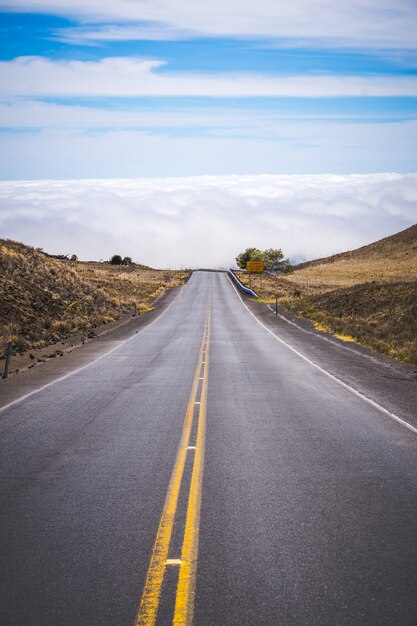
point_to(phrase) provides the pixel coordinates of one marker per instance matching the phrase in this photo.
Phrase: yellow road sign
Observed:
(255, 266)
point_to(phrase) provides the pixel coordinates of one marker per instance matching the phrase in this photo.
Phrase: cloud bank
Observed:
(205, 221)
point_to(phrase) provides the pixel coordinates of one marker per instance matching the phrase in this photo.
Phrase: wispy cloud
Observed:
(86, 35)
(368, 23)
(206, 221)
(133, 77)
(19, 114)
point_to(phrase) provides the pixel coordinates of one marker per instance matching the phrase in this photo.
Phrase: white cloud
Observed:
(207, 220)
(84, 35)
(368, 23)
(129, 77)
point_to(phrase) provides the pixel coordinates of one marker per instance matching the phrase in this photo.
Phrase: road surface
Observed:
(208, 472)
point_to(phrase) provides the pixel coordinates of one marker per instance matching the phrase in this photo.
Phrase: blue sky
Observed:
(181, 132)
(172, 89)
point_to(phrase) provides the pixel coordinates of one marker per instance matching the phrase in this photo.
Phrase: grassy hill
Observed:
(368, 295)
(44, 299)
(391, 259)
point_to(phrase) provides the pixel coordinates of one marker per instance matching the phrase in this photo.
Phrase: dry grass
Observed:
(393, 259)
(129, 286)
(379, 315)
(350, 272)
(367, 295)
(43, 300)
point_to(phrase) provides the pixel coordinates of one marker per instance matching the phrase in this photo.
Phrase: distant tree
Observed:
(250, 254)
(285, 267)
(274, 261)
(116, 259)
(60, 257)
(272, 258)
(127, 260)
(74, 257)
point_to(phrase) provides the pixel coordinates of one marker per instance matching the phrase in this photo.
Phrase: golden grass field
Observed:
(367, 295)
(44, 300)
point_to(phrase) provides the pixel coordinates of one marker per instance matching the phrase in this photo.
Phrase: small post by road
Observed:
(7, 362)
(276, 304)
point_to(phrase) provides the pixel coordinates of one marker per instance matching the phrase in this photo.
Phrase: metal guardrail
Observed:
(241, 286)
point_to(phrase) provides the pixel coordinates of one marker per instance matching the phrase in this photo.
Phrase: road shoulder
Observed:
(383, 380)
(80, 354)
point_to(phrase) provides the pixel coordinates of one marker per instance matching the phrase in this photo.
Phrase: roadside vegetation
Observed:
(273, 259)
(368, 295)
(45, 298)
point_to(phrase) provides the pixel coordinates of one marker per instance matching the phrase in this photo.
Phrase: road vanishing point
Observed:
(219, 467)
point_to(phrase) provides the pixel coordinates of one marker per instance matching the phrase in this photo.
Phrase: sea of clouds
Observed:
(205, 221)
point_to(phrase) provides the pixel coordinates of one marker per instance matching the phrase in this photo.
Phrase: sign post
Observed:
(7, 361)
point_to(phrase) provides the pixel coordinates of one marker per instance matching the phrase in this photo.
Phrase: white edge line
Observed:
(83, 367)
(340, 382)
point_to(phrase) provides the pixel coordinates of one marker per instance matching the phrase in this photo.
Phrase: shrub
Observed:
(20, 344)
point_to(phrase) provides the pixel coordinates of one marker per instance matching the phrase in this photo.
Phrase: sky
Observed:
(282, 98)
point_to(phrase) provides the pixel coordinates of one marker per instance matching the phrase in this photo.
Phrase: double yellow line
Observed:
(184, 601)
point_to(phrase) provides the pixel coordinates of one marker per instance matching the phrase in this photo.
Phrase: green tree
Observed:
(285, 267)
(272, 257)
(127, 260)
(116, 259)
(250, 254)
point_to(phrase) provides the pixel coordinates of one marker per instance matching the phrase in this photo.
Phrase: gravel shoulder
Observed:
(384, 380)
(55, 361)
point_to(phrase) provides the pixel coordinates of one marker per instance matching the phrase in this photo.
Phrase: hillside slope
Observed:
(379, 315)
(368, 295)
(43, 299)
(397, 244)
(393, 259)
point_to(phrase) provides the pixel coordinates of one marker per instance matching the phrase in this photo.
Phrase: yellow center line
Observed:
(184, 604)
(148, 608)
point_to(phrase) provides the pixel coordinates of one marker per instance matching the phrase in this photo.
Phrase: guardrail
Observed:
(241, 286)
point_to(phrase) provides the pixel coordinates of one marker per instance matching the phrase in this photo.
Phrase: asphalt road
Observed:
(205, 435)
